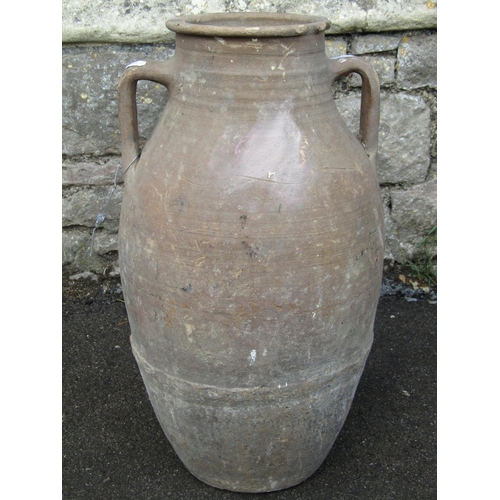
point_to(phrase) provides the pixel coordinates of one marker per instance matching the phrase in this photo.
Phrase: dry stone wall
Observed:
(405, 60)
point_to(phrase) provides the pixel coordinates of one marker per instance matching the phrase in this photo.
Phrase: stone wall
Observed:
(100, 38)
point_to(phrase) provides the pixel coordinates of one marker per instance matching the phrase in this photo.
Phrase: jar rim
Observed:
(248, 24)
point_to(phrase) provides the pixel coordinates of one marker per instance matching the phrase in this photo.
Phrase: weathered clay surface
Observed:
(251, 253)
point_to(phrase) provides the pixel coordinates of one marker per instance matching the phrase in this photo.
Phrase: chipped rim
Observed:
(246, 24)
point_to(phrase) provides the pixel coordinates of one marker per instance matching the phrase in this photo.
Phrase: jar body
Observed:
(251, 253)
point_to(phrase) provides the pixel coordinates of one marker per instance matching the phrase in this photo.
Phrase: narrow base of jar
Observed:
(257, 439)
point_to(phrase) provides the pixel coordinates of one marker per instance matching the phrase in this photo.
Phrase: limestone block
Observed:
(72, 243)
(391, 240)
(76, 250)
(335, 47)
(417, 62)
(81, 207)
(385, 67)
(76, 244)
(88, 173)
(143, 21)
(414, 213)
(89, 97)
(365, 44)
(404, 135)
(432, 171)
(105, 242)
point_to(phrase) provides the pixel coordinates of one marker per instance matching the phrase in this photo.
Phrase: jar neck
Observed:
(239, 70)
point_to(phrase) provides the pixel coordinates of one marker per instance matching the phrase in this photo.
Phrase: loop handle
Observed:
(370, 98)
(154, 71)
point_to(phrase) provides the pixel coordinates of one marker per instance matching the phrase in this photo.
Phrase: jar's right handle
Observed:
(154, 71)
(370, 98)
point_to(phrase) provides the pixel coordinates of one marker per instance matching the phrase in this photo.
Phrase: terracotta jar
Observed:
(251, 246)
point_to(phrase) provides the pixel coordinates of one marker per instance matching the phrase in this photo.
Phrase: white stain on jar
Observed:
(252, 357)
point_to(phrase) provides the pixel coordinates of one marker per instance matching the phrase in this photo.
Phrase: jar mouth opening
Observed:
(248, 24)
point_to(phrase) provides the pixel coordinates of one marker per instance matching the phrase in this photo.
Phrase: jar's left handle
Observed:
(154, 71)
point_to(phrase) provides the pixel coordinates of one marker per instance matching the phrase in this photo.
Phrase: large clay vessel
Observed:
(251, 246)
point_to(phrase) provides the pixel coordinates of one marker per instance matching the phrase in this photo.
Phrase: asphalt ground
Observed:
(114, 448)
